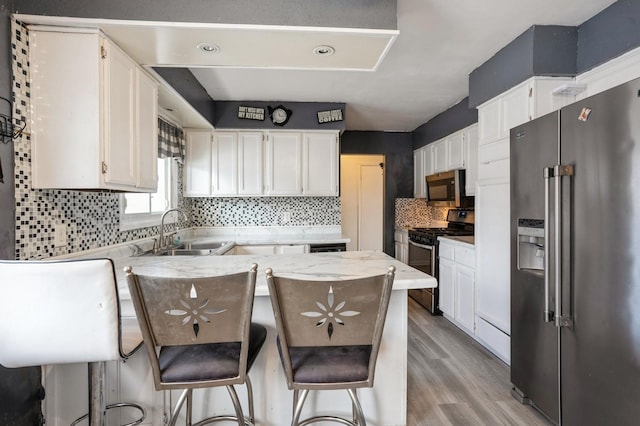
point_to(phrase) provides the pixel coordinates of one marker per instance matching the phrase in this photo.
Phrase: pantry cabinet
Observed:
(496, 117)
(96, 112)
(261, 163)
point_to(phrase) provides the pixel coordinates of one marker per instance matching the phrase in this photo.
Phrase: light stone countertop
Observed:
(467, 239)
(310, 266)
(336, 265)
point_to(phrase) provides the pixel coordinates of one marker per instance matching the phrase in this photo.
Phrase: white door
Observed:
(362, 200)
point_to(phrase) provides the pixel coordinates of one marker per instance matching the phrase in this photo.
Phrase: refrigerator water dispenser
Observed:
(531, 245)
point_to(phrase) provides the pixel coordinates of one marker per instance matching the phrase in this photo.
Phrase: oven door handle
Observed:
(413, 243)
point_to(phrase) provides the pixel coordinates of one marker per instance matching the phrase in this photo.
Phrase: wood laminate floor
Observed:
(452, 380)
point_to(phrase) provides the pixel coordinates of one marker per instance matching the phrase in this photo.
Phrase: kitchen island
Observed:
(385, 404)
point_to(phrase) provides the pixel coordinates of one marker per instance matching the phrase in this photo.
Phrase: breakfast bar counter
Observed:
(384, 405)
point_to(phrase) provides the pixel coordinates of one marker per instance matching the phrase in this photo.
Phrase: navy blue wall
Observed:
(455, 118)
(609, 34)
(304, 115)
(398, 152)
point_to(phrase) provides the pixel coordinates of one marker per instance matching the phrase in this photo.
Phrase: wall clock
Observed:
(279, 115)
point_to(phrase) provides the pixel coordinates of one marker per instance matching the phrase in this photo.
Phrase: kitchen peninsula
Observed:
(385, 404)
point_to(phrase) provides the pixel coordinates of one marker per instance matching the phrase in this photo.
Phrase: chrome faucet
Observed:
(161, 242)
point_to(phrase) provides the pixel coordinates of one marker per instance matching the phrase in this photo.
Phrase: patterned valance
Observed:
(170, 140)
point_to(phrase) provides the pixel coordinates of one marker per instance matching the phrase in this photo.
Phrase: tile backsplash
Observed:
(92, 219)
(264, 211)
(414, 212)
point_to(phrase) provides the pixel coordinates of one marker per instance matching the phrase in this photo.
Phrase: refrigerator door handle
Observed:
(560, 171)
(549, 315)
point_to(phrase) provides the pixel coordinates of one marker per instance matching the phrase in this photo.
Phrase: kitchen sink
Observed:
(193, 249)
(185, 252)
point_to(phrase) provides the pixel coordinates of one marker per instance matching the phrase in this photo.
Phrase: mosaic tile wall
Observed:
(93, 218)
(264, 211)
(414, 212)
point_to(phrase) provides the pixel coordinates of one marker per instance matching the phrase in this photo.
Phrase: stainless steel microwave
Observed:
(447, 189)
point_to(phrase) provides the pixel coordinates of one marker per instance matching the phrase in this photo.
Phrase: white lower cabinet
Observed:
(456, 283)
(401, 241)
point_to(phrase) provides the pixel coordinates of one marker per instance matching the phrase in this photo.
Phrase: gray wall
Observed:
(398, 152)
(185, 83)
(541, 50)
(304, 115)
(455, 118)
(380, 14)
(609, 34)
(7, 217)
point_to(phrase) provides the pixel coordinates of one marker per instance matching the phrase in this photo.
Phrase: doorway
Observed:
(362, 201)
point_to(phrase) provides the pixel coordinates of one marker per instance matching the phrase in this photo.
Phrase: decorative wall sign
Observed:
(329, 116)
(279, 115)
(250, 113)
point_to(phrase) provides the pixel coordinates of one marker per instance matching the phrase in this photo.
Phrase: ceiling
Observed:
(389, 81)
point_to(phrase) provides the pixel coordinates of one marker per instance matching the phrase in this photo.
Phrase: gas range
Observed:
(460, 223)
(429, 236)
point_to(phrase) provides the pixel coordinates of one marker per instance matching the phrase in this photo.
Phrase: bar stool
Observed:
(60, 312)
(329, 335)
(198, 333)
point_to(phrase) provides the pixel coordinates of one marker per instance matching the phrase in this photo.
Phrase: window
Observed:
(140, 210)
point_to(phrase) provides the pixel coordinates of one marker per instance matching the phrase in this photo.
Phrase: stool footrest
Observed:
(135, 406)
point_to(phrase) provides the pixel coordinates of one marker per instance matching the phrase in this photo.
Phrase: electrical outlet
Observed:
(286, 217)
(60, 235)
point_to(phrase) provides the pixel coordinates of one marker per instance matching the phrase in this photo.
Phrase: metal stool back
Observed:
(198, 333)
(329, 334)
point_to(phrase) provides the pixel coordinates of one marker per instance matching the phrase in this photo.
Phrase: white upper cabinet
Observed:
(284, 163)
(422, 166)
(197, 170)
(224, 164)
(147, 131)
(524, 102)
(440, 156)
(448, 153)
(95, 115)
(320, 164)
(250, 163)
(256, 163)
(456, 151)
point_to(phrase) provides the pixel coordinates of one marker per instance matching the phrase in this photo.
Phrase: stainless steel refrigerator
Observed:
(575, 260)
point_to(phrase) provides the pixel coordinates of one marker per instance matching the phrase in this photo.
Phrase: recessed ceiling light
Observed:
(208, 47)
(324, 50)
